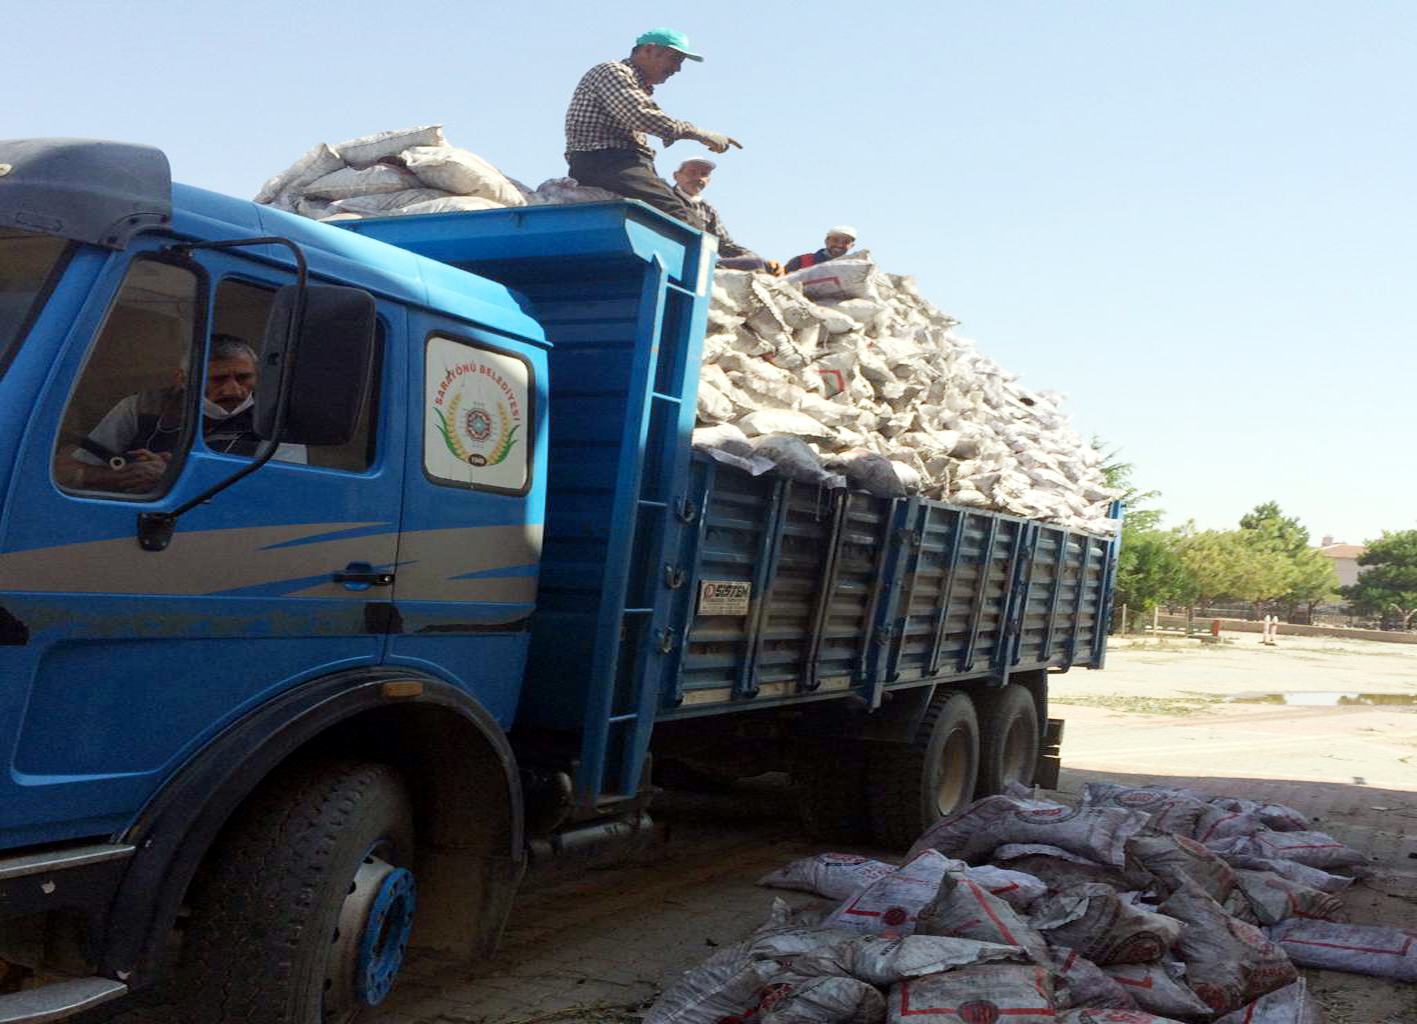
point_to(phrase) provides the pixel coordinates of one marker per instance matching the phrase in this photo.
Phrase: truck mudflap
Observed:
(1050, 758)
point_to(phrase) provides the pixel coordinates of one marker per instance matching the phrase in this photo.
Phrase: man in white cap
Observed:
(839, 241)
(612, 111)
(690, 180)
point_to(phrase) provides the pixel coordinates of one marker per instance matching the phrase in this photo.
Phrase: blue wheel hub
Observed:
(385, 937)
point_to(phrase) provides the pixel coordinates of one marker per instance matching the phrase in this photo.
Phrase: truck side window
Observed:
(128, 422)
(240, 311)
(477, 407)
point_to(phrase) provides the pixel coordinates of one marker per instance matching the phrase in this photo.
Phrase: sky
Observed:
(1196, 218)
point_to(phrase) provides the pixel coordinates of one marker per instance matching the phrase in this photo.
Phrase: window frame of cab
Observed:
(196, 356)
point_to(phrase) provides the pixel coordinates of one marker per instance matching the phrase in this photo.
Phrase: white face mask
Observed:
(212, 411)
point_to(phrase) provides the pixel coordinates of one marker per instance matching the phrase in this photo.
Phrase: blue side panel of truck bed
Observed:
(849, 593)
(621, 292)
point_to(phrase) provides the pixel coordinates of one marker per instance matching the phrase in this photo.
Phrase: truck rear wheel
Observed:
(914, 785)
(1008, 740)
(303, 914)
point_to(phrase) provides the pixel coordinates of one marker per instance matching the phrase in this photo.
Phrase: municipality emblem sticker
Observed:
(477, 412)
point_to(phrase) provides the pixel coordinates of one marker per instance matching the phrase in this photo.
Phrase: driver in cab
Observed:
(131, 447)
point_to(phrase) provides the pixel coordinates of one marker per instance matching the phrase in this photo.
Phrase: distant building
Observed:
(1345, 560)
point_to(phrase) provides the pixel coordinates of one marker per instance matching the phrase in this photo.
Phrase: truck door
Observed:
(132, 659)
(474, 495)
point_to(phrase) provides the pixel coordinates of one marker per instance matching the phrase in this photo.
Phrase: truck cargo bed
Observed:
(799, 593)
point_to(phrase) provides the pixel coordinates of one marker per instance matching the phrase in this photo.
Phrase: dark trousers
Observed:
(629, 173)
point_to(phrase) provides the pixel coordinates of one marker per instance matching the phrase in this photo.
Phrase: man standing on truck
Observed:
(690, 180)
(612, 110)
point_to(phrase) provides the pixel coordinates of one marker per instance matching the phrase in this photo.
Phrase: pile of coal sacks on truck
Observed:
(840, 374)
(1138, 906)
(401, 173)
(842, 370)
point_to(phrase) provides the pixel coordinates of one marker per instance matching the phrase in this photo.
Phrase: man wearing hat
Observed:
(839, 241)
(612, 111)
(690, 180)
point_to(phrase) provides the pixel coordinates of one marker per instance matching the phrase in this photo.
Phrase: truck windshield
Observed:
(27, 262)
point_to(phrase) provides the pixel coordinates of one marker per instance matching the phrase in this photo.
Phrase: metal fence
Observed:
(1337, 615)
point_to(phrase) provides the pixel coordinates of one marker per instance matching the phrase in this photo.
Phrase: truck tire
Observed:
(830, 778)
(914, 785)
(303, 912)
(1009, 738)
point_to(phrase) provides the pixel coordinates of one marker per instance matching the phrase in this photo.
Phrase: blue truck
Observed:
(278, 701)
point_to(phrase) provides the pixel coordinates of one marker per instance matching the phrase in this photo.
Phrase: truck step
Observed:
(60, 1001)
(62, 859)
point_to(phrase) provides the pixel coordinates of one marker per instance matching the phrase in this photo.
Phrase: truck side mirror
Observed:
(328, 357)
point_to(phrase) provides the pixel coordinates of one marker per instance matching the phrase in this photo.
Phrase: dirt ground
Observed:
(1166, 712)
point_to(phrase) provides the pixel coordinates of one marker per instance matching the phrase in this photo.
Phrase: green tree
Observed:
(1388, 583)
(1274, 528)
(1225, 564)
(1149, 573)
(1311, 578)
(1205, 557)
(1118, 474)
(1314, 582)
(1262, 575)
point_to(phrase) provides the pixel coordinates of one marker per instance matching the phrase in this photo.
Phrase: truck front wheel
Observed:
(1009, 740)
(914, 785)
(304, 911)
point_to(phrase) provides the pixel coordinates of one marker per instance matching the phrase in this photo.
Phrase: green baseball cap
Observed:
(670, 37)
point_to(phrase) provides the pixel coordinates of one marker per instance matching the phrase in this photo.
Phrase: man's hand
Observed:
(143, 471)
(717, 141)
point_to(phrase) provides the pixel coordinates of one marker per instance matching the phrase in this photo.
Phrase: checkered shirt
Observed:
(612, 109)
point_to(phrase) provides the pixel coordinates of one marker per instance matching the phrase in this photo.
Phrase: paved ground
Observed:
(1163, 709)
(598, 946)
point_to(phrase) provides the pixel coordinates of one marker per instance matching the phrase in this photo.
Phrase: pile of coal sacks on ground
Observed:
(1138, 906)
(839, 374)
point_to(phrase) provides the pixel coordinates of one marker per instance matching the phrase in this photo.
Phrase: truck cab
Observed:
(366, 598)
